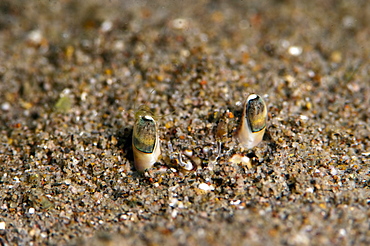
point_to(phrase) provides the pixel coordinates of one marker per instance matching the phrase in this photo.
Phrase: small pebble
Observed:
(245, 160)
(295, 50)
(5, 106)
(206, 187)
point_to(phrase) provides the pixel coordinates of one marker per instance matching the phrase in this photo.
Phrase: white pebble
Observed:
(295, 50)
(349, 22)
(179, 23)
(235, 202)
(35, 36)
(5, 106)
(311, 73)
(173, 202)
(309, 190)
(244, 160)
(174, 213)
(124, 217)
(206, 150)
(106, 26)
(188, 153)
(333, 171)
(206, 187)
(342, 232)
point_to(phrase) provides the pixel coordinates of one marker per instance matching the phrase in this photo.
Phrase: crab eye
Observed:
(256, 113)
(144, 134)
(253, 123)
(145, 140)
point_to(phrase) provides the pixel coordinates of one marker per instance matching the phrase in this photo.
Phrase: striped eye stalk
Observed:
(253, 123)
(145, 140)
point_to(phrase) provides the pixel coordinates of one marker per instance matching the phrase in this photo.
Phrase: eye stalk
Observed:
(253, 123)
(145, 139)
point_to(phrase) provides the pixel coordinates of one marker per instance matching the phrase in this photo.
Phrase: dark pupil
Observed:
(254, 107)
(145, 135)
(254, 111)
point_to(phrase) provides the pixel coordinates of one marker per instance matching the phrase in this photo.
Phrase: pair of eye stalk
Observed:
(145, 139)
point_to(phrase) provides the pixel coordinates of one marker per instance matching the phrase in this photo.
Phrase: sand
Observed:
(73, 73)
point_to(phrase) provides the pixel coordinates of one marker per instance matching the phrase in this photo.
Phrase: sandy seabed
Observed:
(73, 73)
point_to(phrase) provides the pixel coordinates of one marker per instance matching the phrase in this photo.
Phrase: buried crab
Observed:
(146, 142)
